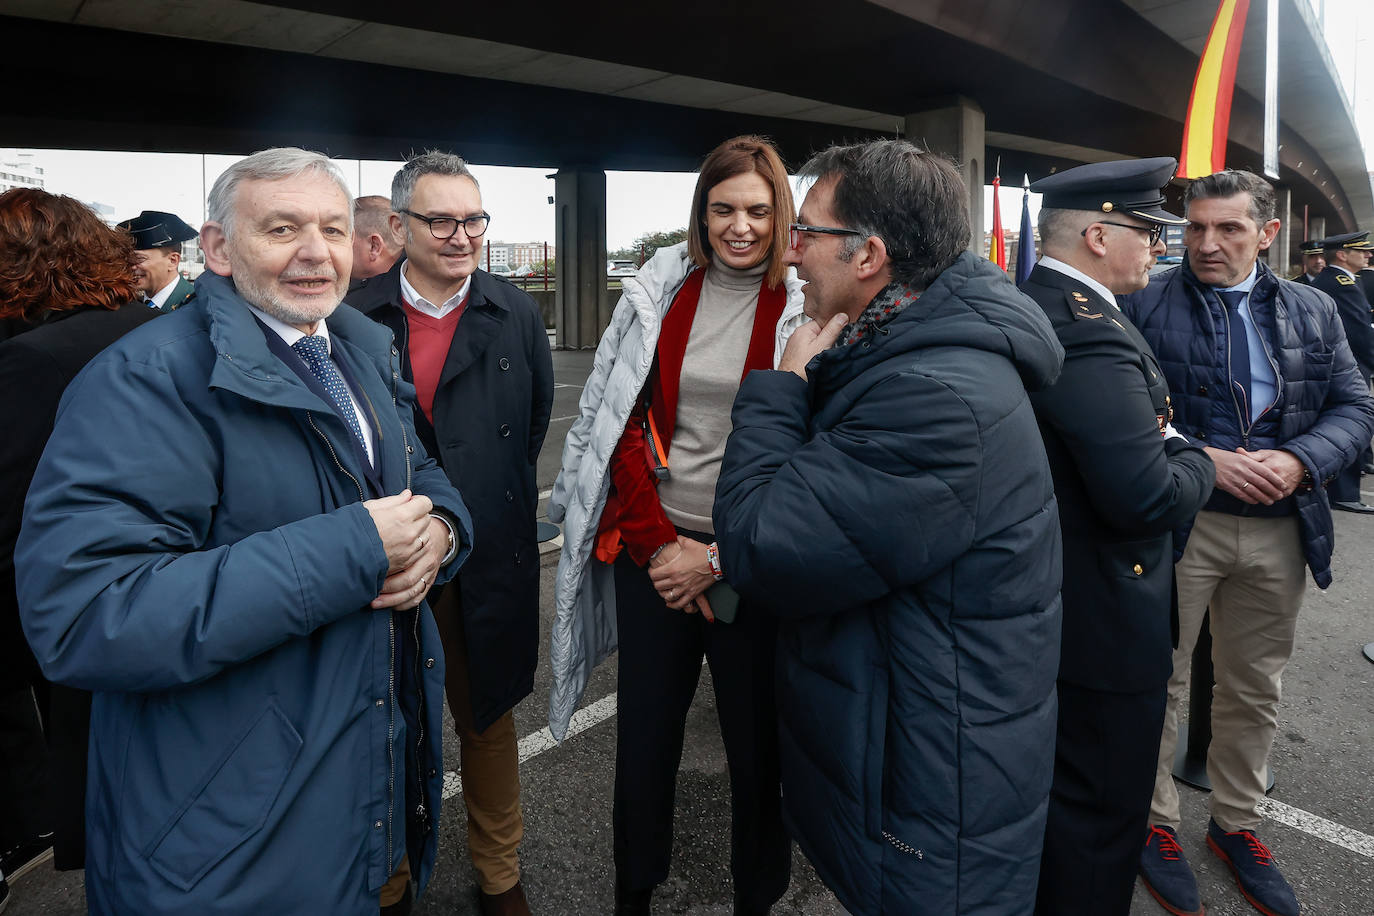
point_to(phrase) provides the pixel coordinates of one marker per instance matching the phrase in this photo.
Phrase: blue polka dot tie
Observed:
(315, 351)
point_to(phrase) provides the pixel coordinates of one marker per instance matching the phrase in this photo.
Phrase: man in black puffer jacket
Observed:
(1262, 376)
(890, 500)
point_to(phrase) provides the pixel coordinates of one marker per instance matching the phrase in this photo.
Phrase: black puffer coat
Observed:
(897, 514)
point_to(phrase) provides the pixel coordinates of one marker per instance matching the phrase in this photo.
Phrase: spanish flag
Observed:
(1209, 109)
(997, 247)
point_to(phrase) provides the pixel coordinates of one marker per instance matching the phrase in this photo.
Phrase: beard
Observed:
(271, 301)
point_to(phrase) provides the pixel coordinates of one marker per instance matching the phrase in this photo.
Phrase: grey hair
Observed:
(1058, 226)
(1231, 182)
(268, 165)
(912, 199)
(430, 162)
(373, 214)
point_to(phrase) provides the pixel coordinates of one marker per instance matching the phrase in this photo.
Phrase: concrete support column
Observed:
(1283, 253)
(582, 307)
(1317, 228)
(956, 129)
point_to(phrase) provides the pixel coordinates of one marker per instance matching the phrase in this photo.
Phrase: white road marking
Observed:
(598, 712)
(1319, 827)
(542, 740)
(565, 385)
(571, 416)
(545, 494)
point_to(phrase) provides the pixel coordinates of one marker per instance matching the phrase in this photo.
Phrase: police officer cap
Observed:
(1312, 246)
(155, 229)
(1130, 186)
(1358, 241)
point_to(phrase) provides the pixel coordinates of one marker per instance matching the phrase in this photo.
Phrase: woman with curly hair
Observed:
(66, 293)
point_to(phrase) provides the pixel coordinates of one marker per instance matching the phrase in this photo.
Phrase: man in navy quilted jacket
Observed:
(1262, 376)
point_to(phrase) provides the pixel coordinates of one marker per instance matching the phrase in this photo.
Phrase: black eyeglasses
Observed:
(796, 230)
(1155, 230)
(446, 227)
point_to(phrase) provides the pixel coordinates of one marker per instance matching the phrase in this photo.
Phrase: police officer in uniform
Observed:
(157, 258)
(1313, 262)
(1124, 480)
(1346, 257)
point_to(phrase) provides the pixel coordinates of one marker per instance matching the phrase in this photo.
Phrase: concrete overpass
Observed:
(1042, 84)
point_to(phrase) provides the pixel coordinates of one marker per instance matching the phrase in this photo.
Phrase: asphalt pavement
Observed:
(1320, 826)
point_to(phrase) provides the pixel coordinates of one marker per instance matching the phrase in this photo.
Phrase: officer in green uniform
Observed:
(1124, 480)
(157, 258)
(1313, 262)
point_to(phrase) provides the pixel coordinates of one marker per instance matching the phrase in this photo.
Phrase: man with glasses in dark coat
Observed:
(476, 349)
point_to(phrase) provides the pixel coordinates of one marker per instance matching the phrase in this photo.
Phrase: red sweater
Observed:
(633, 514)
(429, 341)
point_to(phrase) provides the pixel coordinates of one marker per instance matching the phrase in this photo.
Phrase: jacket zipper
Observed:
(898, 844)
(419, 723)
(391, 668)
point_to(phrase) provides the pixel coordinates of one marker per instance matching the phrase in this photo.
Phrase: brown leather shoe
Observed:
(506, 903)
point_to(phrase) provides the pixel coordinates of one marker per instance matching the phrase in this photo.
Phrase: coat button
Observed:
(505, 430)
(503, 363)
(517, 559)
(1201, 389)
(429, 663)
(433, 772)
(1137, 569)
(381, 702)
(376, 825)
(510, 497)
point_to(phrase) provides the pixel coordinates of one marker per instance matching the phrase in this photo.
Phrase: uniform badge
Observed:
(1080, 306)
(1343, 280)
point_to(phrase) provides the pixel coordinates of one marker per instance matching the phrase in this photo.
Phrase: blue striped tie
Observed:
(315, 351)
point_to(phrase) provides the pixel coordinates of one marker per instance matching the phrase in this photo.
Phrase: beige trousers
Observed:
(1252, 573)
(490, 765)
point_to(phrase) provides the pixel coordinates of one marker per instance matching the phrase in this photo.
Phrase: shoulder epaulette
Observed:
(1344, 280)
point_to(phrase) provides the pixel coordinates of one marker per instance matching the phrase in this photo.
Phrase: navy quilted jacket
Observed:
(1325, 413)
(897, 513)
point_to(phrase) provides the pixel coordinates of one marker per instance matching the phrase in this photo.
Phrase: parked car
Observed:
(500, 270)
(621, 269)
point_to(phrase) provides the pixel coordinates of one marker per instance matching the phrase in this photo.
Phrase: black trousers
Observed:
(25, 801)
(1104, 775)
(659, 665)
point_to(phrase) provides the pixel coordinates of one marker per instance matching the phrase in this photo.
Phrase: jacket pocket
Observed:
(230, 803)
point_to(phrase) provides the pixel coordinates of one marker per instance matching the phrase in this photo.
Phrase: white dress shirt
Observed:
(423, 305)
(161, 296)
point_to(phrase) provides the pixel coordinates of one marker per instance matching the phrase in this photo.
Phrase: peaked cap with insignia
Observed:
(1130, 186)
(1312, 246)
(1356, 241)
(155, 229)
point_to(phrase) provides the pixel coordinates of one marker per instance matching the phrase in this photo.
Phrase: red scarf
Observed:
(672, 345)
(636, 511)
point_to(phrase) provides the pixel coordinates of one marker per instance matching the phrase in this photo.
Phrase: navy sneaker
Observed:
(1253, 866)
(1166, 873)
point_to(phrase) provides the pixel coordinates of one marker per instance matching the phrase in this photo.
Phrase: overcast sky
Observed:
(637, 202)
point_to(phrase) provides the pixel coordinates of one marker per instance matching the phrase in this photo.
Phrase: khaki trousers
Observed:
(490, 762)
(1252, 573)
(490, 767)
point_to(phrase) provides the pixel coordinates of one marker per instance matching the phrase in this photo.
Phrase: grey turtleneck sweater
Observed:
(711, 369)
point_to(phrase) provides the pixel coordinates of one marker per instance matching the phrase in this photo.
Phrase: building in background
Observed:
(19, 170)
